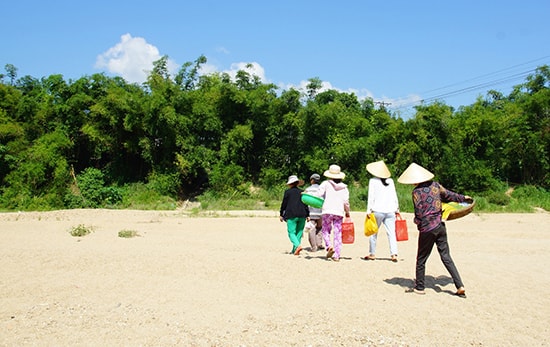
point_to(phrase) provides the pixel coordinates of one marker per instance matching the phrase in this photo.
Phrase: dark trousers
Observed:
(426, 241)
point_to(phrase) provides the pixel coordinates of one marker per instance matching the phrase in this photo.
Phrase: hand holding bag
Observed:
(401, 232)
(371, 227)
(348, 231)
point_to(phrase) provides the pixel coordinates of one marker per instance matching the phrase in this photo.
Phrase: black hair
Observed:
(384, 181)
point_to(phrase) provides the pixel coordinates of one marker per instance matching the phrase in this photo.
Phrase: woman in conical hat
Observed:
(382, 201)
(415, 174)
(427, 197)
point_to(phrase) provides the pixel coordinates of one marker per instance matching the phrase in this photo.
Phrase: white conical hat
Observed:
(415, 174)
(379, 169)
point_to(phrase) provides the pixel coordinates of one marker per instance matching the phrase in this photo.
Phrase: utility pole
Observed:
(382, 103)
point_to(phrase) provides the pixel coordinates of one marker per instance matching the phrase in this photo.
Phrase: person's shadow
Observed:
(322, 256)
(431, 282)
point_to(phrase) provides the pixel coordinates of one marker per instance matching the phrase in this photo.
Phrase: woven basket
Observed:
(462, 211)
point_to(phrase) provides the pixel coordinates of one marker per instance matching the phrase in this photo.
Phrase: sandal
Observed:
(369, 257)
(330, 252)
(461, 292)
(394, 258)
(416, 291)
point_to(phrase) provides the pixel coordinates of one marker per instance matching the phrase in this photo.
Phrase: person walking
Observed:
(428, 196)
(294, 212)
(335, 207)
(382, 201)
(315, 235)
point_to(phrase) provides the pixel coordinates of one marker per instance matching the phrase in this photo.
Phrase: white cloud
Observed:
(302, 87)
(208, 69)
(252, 68)
(132, 58)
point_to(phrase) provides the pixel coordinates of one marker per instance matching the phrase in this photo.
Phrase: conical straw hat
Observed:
(379, 169)
(415, 174)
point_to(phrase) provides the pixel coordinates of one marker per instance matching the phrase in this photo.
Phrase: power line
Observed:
(517, 76)
(485, 85)
(487, 75)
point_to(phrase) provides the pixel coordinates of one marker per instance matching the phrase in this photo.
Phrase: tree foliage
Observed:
(186, 133)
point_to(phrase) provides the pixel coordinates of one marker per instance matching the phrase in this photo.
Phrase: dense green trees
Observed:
(187, 133)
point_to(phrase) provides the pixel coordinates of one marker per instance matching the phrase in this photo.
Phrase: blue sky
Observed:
(398, 52)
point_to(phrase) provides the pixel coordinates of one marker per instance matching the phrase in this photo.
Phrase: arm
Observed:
(346, 204)
(448, 195)
(283, 207)
(370, 199)
(394, 195)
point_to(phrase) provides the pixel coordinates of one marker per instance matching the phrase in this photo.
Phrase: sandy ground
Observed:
(227, 280)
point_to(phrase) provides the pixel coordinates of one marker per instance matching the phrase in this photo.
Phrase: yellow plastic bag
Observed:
(371, 227)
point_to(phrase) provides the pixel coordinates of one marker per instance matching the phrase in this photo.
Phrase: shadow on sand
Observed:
(434, 283)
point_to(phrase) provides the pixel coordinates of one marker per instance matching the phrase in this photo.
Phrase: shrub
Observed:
(224, 178)
(110, 195)
(126, 234)
(535, 196)
(80, 230)
(498, 198)
(270, 177)
(165, 184)
(142, 197)
(90, 183)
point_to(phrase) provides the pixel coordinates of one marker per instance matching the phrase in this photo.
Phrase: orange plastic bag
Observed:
(348, 231)
(401, 232)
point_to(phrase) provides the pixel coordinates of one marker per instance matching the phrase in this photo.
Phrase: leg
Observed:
(318, 232)
(372, 244)
(389, 223)
(315, 236)
(327, 227)
(374, 238)
(300, 225)
(425, 244)
(337, 236)
(445, 255)
(292, 234)
(312, 237)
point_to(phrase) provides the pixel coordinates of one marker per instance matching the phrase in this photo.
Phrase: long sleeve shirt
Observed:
(382, 198)
(427, 199)
(292, 205)
(336, 198)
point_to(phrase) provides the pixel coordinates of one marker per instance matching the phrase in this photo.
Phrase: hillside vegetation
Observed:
(228, 143)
